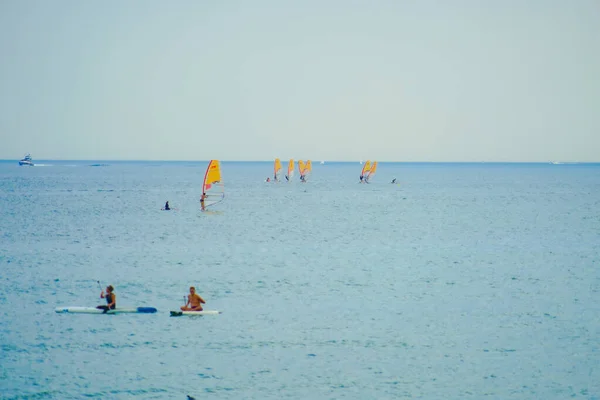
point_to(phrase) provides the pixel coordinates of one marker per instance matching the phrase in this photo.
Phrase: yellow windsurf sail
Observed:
(365, 170)
(290, 171)
(213, 190)
(304, 169)
(371, 172)
(277, 170)
(301, 168)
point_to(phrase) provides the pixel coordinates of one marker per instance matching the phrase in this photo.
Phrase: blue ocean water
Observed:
(462, 281)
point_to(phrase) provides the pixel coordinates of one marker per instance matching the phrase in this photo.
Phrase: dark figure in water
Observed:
(393, 180)
(167, 206)
(361, 178)
(287, 178)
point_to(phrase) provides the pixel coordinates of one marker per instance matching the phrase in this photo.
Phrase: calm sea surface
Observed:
(463, 281)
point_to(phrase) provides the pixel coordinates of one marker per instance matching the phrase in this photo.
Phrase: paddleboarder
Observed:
(111, 299)
(194, 301)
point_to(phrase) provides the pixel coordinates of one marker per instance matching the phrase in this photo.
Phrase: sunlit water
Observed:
(462, 281)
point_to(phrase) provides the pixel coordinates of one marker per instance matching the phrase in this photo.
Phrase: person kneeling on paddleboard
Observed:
(193, 301)
(111, 299)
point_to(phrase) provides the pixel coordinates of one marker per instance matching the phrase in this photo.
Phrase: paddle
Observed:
(102, 290)
(179, 313)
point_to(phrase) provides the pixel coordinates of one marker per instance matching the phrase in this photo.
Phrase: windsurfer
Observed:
(111, 299)
(193, 301)
(202, 200)
(287, 178)
(361, 179)
(393, 180)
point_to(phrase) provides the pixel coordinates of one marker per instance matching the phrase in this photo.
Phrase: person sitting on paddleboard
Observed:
(167, 205)
(111, 299)
(193, 301)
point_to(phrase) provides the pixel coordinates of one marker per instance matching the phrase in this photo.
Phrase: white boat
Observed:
(194, 313)
(94, 310)
(26, 160)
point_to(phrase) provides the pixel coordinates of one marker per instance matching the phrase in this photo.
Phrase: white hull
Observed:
(94, 310)
(194, 313)
(26, 163)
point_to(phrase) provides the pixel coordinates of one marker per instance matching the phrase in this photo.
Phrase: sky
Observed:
(343, 80)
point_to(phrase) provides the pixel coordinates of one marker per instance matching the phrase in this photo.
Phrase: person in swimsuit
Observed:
(194, 301)
(202, 200)
(111, 299)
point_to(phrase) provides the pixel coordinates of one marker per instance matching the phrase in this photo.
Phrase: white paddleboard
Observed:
(194, 313)
(94, 310)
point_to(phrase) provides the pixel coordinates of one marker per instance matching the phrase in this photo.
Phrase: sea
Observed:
(459, 281)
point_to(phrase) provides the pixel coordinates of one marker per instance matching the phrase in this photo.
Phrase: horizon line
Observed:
(319, 161)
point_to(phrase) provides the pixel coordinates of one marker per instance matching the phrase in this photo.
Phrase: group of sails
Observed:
(213, 189)
(304, 169)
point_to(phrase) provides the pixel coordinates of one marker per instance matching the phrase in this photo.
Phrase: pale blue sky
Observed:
(420, 80)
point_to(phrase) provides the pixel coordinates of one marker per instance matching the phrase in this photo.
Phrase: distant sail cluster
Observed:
(304, 169)
(213, 189)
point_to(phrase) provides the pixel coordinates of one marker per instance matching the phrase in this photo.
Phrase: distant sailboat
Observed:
(304, 169)
(371, 173)
(290, 170)
(213, 190)
(365, 170)
(277, 170)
